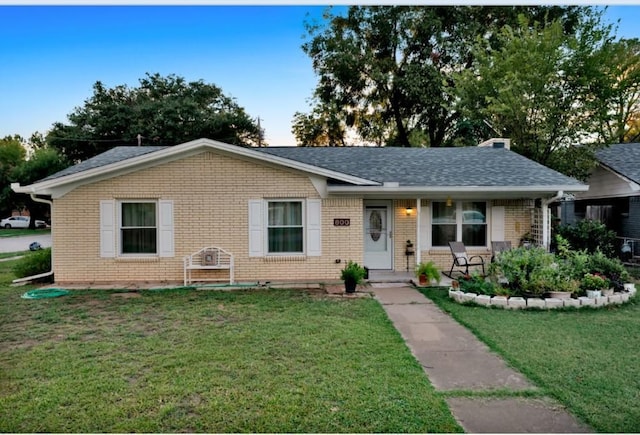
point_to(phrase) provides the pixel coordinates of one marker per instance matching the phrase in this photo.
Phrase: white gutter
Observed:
(446, 190)
(546, 218)
(45, 274)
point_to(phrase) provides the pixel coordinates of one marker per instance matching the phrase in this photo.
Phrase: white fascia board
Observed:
(61, 185)
(455, 190)
(633, 186)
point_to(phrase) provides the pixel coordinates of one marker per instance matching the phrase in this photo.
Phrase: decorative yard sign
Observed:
(341, 222)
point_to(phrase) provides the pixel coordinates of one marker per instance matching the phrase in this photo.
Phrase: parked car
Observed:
(20, 222)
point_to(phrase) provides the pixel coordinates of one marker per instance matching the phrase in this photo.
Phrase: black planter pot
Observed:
(350, 285)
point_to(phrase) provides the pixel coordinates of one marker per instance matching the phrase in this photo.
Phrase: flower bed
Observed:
(542, 303)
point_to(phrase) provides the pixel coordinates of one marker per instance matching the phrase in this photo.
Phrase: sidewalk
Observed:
(455, 360)
(21, 243)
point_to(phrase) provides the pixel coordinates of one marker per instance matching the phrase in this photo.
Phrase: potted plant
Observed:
(564, 288)
(426, 272)
(352, 275)
(593, 284)
(527, 240)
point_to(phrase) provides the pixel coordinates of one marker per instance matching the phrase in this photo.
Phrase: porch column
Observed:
(546, 236)
(418, 211)
(546, 219)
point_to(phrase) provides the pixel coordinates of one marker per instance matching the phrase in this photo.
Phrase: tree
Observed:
(161, 111)
(619, 85)
(44, 162)
(388, 70)
(541, 90)
(12, 154)
(319, 128)
(633, 132)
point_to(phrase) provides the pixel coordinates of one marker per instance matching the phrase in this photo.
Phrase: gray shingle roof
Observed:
(114, 155)
(624, 158)
(468, 166)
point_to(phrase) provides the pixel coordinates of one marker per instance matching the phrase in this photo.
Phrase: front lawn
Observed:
(207, 361)
(587, 358)
(15, 232)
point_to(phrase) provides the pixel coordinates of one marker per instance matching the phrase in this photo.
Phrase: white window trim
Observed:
(110, 212)
(258, 222)
(458, 205)
(303, 218)
(119, 228)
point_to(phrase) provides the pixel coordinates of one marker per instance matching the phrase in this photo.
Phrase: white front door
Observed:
(377, 235)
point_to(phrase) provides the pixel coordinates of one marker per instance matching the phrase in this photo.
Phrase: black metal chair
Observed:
(462, 261)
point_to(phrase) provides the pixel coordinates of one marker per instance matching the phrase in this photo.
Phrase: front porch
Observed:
(388, 276)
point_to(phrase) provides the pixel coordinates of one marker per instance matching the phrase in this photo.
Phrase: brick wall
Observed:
(405, 229)
(517, 222)
(210, 193)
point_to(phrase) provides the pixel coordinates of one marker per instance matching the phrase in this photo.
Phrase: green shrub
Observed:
(543, 279)
(573, 264)
(611, 268)
(594, 281)
(591, 236)
(353, 271)
(34, 263)
(525, 269)
(633, 271)
(533, 271)
(476, 284)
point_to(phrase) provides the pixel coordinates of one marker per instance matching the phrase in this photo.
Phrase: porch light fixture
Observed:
(409, 211)
(449, 202)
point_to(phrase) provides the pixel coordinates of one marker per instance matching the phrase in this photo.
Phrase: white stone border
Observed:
(515, 303)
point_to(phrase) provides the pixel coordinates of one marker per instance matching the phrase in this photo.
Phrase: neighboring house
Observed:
(613, 197)
(289, 213)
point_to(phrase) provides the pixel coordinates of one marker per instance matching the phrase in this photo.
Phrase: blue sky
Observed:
(51, 56)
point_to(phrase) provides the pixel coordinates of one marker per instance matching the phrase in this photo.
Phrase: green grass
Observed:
(208, 361)
(15, 232)
(587, 359)
(12, 254)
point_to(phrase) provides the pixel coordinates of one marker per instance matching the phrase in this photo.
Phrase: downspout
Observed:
(546, 230)
(45, 274)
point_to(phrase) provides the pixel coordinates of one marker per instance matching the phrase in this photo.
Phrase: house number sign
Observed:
(341, 222)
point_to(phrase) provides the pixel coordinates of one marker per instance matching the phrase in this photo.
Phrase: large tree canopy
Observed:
(161, 111)
(387, 71)
(619, 87)
(16, 167)
(558, 96)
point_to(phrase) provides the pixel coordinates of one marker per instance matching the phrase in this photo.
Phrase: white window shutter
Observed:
(497, 223)
(165, 229)
(314, 227)
(256, 228)
(107, 228)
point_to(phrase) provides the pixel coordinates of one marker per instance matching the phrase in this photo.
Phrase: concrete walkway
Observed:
(455, 360)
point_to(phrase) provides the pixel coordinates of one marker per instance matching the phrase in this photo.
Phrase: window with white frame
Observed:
(138, 228)
(130, 228)
(285, 229)
(462, 220)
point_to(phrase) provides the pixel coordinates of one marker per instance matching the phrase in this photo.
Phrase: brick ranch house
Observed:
(289, 213)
